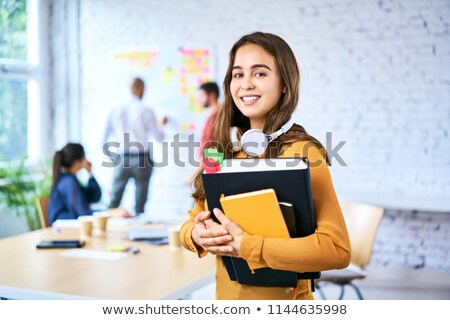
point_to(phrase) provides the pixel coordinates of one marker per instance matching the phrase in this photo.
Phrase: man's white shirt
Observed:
(137, 121)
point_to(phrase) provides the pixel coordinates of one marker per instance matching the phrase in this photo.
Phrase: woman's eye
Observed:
(259, 74)
(238, 75)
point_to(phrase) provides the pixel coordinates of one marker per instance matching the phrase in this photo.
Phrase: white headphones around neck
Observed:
(254, 142)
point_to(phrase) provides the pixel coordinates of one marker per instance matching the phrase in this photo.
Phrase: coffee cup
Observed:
(100, 222)
(174, 237)
(85, 226)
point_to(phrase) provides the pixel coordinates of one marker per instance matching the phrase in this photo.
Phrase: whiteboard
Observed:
(172, 76)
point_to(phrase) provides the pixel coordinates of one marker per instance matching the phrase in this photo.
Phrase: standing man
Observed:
(208, 97)
(131, 125)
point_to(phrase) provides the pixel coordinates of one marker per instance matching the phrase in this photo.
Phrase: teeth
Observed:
(250, 99)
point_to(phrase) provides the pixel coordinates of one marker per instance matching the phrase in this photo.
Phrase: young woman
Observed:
(261, 89)
(69, 199)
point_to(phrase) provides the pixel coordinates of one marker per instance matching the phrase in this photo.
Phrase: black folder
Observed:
(291, 185)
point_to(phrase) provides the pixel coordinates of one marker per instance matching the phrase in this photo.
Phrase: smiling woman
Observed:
(261, 89)
(256, 88)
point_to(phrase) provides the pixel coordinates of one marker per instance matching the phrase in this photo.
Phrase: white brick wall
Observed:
(374, 73)
(418, 240)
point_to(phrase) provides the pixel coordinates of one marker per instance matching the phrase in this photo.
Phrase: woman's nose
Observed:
(247, 83)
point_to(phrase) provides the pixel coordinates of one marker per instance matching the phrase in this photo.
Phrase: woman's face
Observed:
(255, 83)
(78, 164)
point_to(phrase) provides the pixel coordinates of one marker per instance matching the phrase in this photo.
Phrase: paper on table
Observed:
(93, 254)
(148, 231)
(66, 223)
(141, 219)
(116, 221)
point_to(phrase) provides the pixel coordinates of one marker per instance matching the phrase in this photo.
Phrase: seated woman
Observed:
(69, 199)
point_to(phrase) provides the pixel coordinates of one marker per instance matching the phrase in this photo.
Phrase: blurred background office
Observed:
(375, 90)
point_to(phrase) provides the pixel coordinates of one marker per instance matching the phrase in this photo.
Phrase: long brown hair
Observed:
(65, 158)
(230, 116)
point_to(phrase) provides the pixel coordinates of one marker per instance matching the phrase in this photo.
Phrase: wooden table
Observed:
(155, 273)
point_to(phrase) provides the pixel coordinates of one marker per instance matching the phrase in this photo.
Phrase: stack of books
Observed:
(267, 197)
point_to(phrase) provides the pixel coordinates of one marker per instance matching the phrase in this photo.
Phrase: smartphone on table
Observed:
(60, 244)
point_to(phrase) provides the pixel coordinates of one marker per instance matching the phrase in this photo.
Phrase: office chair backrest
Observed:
(42, 206)
(362, 224)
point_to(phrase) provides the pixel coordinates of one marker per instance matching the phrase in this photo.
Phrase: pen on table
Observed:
(134, 250)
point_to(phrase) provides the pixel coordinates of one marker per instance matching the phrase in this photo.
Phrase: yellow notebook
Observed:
(257, 213)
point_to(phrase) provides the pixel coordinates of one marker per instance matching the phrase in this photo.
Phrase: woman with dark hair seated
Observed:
(69, 199)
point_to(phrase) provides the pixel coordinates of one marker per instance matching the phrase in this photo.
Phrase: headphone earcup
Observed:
(254, 142)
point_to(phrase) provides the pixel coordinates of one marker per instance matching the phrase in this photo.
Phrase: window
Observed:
(13, 119)
(21, 78)
(13, 26)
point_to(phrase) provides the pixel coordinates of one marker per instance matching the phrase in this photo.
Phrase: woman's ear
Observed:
(284, 89)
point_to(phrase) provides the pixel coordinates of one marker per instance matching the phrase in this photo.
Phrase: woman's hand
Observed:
(87, 165)
(232, 247)
(119, 212)
(220, 239)
(210, 235)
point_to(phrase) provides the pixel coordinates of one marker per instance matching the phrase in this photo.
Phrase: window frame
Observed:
(34, 70)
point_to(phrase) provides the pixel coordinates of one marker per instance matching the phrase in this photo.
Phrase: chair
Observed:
(42, 206)
(362, 224)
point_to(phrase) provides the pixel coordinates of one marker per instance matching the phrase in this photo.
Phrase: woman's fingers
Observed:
(210, 223)
(224, 220)
(222, 251)
(214, 241)
(221, 216)
(211, 233)
(207, 227)
(201, 217)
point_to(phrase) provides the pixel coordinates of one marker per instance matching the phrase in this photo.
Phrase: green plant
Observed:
(21, 185)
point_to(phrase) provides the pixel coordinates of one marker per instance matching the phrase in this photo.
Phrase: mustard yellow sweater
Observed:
(327, 248)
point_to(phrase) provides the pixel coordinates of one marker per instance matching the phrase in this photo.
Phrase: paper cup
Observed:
(85, 226)
(100, 222)
(174, 237)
